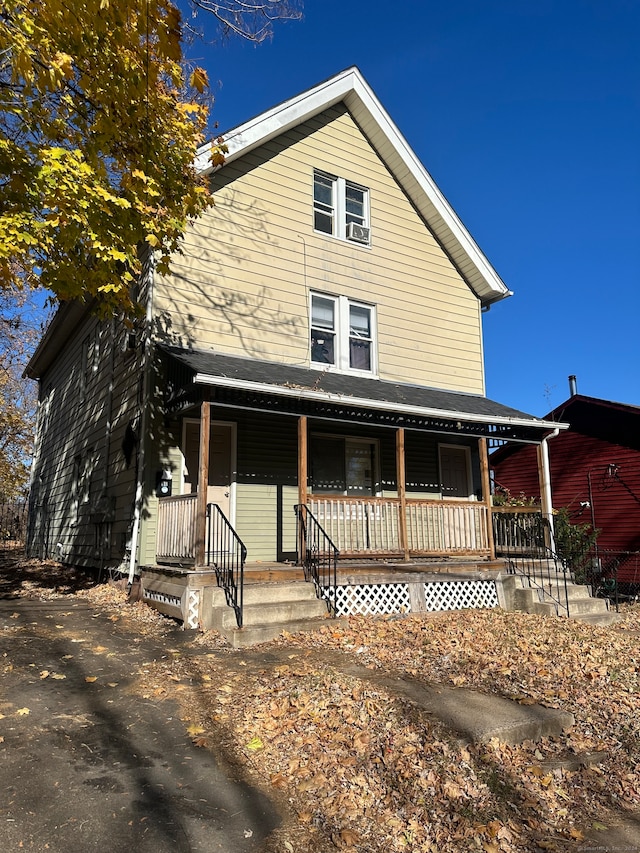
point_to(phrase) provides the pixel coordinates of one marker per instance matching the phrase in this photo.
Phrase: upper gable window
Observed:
(341, 208)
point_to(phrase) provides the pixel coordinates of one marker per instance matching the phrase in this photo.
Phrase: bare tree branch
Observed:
(250, 19)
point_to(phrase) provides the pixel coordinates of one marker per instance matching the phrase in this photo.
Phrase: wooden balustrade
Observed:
(176, 536)
(441, 527)
(518, 528)
(357, 526)
(372, 526)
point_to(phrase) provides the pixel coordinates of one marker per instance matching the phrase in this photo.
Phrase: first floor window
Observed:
(342, 333)
(344, 466)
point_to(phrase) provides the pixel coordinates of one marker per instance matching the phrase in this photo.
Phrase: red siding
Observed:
(572, 456)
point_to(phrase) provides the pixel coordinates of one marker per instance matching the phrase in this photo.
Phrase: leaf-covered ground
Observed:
(356, 768)
(366, 770)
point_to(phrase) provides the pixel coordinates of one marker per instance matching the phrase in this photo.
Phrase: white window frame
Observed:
(338, 208)
(342, 334)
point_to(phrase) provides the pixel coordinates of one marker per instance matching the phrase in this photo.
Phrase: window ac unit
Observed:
(358, 233)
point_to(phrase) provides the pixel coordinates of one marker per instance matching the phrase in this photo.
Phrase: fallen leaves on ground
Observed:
(367, 771)
(364, 771)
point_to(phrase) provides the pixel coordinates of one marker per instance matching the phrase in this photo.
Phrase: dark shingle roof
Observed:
(344, 386)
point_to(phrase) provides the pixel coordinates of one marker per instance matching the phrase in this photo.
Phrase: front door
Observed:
(221, 453)
(455, 472)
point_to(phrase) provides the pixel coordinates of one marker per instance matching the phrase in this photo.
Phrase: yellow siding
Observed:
(256, 524)
(241, 287)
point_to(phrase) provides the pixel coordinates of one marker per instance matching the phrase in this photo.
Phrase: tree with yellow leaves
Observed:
(100, 125)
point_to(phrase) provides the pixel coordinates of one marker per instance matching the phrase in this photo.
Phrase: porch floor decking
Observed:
(377, 571)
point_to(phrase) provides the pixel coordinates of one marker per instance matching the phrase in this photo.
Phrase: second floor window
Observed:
(340, 208)
(342, 333)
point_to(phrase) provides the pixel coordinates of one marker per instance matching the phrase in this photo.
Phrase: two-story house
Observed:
(317, 346)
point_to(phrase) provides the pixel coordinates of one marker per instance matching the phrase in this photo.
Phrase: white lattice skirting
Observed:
(193, 608)
(459, 595)
(389, 598)
(372, 599)
(162, 597)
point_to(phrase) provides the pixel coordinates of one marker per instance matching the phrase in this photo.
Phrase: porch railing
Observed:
(318, 555)
(447, 527)
(515, 528)
(371, 526)
(176, 534)
(523, 540)
(226, 552)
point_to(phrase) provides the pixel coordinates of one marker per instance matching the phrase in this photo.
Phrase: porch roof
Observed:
(288, 389)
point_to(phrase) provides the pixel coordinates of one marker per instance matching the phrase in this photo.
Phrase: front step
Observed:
(268, 610)
(582, 606)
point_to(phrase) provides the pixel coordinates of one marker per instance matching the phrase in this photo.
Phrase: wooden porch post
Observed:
(303, 464)
(303, 455)
(203, 480)
(401, 480)
(486, 493)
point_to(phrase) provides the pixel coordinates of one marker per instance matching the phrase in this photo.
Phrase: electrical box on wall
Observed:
(163, 484)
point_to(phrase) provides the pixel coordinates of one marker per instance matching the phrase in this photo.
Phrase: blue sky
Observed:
(527, 115)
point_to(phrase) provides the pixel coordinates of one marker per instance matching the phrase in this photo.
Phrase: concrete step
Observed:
(258, 593)
(582, 606)
(251, 635)
(275, 613)
(587, 605)
(609, 617)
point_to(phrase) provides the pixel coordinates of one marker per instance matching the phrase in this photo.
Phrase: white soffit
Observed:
(350, 87)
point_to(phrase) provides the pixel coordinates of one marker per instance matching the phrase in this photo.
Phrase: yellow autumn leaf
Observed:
(91, 678)
(199, 79)
(22, 712)
(255, 744)
(194, 729)
(44, 673)
(58, 676)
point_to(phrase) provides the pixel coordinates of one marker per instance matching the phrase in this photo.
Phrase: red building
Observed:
(595, 473)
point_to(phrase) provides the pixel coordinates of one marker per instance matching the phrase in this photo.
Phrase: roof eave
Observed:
(380, 405)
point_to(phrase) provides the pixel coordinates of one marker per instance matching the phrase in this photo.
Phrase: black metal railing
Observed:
(525, 542)
(226, 552)
(318, 556)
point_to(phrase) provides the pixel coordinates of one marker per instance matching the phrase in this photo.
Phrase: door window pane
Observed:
(327, 465)
(359, 464)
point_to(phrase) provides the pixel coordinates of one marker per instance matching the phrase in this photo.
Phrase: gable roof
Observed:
(605, 420)
(350, 88)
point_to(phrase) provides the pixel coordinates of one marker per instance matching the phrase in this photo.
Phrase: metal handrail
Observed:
(318, 556)
(227, 553)
(526, 550)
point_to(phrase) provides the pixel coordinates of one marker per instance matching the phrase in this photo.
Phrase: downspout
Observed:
(146, 361)
(545, 485)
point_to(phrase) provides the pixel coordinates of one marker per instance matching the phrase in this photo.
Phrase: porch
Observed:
(369, 485)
